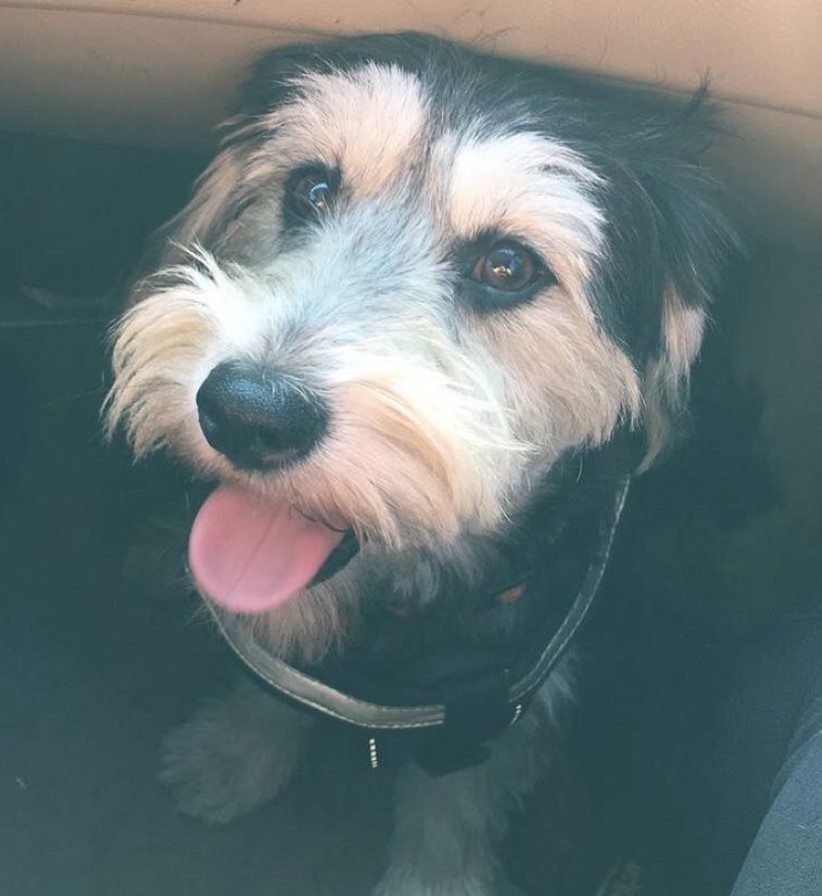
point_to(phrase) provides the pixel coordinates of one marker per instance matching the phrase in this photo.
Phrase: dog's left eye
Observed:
(310, 192)
(508, 268)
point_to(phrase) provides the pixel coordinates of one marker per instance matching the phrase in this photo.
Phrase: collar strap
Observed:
(321, 697)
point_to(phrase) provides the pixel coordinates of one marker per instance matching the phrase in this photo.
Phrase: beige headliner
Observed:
(160, 71)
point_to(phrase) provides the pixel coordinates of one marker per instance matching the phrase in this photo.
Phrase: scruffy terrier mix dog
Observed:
(423, 305)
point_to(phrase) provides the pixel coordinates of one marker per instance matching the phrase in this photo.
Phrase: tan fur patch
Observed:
(666, 379)
(367, 122)
(568, 384)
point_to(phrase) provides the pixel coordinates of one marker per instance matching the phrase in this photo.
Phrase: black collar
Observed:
(446, 726)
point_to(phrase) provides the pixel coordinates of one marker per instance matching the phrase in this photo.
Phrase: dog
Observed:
(423, 304)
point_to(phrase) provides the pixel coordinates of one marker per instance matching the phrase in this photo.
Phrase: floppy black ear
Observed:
(695, 241)
(270, 82)
(669, 243)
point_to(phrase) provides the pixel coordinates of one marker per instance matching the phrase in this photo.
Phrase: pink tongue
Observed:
(249, 556)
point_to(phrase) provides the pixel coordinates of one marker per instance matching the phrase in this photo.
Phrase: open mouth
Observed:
(250, 556)
(338, 559)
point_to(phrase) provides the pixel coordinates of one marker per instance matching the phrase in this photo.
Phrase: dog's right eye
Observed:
(310, 193)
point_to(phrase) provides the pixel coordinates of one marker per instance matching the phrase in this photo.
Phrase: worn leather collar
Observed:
(322, 696)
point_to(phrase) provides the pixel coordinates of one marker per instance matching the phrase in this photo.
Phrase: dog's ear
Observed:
(682, 249)
(270, 81)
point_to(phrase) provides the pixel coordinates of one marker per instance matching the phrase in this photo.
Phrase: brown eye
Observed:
(310, 193)
(508, 267)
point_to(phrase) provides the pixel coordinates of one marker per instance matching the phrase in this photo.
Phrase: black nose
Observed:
(257, 418)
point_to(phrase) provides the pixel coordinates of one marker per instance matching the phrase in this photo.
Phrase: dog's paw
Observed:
(234, 755)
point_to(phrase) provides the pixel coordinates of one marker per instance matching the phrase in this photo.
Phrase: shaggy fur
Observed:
(452, 402)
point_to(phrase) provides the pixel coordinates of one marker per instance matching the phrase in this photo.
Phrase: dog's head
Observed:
(412, 279)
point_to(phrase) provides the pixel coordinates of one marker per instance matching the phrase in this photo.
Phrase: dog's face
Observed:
(412, 280)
